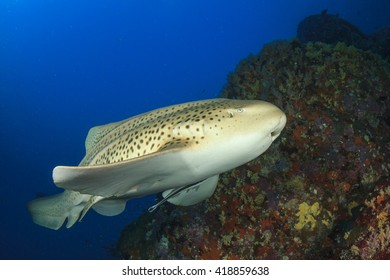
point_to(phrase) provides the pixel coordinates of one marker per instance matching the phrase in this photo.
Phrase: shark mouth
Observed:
(279, 127)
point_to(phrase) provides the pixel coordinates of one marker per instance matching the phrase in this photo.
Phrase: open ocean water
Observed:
(66, 66)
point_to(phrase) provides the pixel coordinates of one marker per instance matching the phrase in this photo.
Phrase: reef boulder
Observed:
(332, 29)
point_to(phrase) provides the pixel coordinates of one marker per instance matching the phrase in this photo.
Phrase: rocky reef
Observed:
(321, 191)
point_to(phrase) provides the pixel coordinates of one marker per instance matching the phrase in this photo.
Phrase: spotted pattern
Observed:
(178, 125)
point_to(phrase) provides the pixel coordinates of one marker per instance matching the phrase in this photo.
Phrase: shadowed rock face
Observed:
(332, 29)
(381, 39)
(329, 29)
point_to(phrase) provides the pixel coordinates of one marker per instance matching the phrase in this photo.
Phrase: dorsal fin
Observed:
(96, 133)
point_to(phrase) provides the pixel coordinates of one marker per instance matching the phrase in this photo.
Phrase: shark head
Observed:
(229, 133)
(253, 125)
(178, 150)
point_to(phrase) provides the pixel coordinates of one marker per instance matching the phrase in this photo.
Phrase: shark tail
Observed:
(52, 211)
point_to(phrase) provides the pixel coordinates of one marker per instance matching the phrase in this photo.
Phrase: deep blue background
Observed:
(66, 66)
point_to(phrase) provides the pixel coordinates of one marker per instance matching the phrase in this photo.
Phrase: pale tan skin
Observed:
(157, 151)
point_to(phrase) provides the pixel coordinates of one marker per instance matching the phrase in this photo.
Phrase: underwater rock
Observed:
(332, 29)
(319, 192)
(381, 39)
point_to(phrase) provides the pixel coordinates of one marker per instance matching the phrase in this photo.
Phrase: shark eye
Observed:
(240, 110)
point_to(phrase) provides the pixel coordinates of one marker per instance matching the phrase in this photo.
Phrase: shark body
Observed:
(178, 150)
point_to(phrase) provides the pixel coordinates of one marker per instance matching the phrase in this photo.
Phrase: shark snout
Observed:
(281, 122)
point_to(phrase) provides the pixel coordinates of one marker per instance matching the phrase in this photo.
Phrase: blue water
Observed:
(66, 66)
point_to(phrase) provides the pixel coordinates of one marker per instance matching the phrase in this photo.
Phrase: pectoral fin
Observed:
(189, 195)
(110, 207)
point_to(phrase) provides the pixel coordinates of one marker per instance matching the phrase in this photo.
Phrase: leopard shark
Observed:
(178, 151)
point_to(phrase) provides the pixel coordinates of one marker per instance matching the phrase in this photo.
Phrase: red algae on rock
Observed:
(322, 189)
